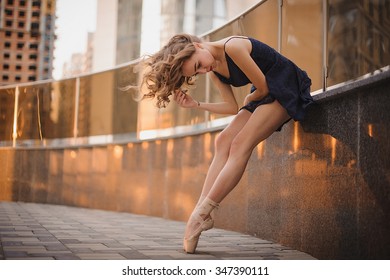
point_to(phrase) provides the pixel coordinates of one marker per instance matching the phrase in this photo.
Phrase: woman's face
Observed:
(200, 62)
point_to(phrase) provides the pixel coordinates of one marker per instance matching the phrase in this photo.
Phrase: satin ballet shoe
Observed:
(191, 242)
(208, 225)
(204, 209)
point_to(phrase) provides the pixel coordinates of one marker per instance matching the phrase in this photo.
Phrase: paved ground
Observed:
(37, 231)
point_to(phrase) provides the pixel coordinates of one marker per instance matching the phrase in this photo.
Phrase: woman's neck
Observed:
(217, 51)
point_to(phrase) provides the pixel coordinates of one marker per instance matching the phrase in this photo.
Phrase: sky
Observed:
(75, 18)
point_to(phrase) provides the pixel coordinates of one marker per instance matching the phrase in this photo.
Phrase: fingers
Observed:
(180, 97)
(247, 100)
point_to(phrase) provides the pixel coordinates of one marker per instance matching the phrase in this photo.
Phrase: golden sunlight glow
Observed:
(296, 137)
(15, 123)
(145, 145)
(170, 146)
(333, 142)
(118, 151)
(73, 154)
(141, 194)
(207, 145)
(260, 150)
(370, 130)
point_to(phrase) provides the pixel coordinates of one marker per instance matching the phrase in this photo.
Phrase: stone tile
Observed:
(56, 247)
(81, 250)
(66, 257)
(133, 255)
(19, 239)
(100, 256)
(12, 254)
(70, 241)
(36, 231)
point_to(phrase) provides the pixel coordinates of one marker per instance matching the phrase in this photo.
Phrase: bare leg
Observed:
(263, 122)
(230, 161)
(222, 148)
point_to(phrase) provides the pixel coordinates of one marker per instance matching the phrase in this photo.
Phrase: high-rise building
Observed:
(27, 35)
(88, 55)
(118, 33)
(126, 30)
(74, 67)
(191, 16)
(80, 63)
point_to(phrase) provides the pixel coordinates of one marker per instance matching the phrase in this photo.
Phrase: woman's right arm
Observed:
(228, 105)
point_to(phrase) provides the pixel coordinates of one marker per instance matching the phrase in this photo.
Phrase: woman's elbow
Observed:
(233, 110)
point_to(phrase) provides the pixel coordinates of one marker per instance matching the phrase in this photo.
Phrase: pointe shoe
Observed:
(204, 209)
(210, 223)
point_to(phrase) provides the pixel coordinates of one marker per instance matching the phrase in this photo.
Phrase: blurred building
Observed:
(73, 67)
(80, 63)
(88, 55)
(26, 40)
(191, 16)
(126, 30)
(118, 33)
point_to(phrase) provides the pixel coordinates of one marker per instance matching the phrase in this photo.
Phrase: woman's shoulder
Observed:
(237, 43)
(235, 39)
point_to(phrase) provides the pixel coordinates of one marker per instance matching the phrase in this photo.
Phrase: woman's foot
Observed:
(199, 221)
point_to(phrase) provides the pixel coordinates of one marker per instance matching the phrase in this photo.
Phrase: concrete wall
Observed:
(320, 186)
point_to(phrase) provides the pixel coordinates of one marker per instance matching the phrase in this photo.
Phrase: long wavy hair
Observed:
(163, 74)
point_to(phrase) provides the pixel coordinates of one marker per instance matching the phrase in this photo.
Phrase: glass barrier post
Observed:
(207, 99)
(15, 124)
(324, 43)
(280, 25)
(76, 111)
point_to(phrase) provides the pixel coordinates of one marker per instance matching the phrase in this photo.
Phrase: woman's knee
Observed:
(239, 148)
(223, 141)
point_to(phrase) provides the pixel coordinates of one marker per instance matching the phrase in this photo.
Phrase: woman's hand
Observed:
(184, 100)
(248, 99)
(254, 96)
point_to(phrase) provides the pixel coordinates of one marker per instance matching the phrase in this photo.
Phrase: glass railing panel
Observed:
(125, 105)
(46, 110)
(358, 38)
(96, 104)
(262, 23)
(63, 108)
(104, 108)
(302, 37)
(232, 28)
(7, 106)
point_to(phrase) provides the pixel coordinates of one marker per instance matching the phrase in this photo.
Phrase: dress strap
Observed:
(233, 37)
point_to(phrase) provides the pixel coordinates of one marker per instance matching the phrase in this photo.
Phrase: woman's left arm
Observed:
(239, 50)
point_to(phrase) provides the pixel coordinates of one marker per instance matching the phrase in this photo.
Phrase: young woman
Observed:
(280, 91)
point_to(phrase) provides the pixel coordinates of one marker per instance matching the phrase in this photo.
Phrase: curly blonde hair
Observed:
(163, 74)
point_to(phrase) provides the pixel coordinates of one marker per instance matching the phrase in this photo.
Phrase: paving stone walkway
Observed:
(41, 231)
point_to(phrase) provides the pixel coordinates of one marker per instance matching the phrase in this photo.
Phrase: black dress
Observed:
(286, 82)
